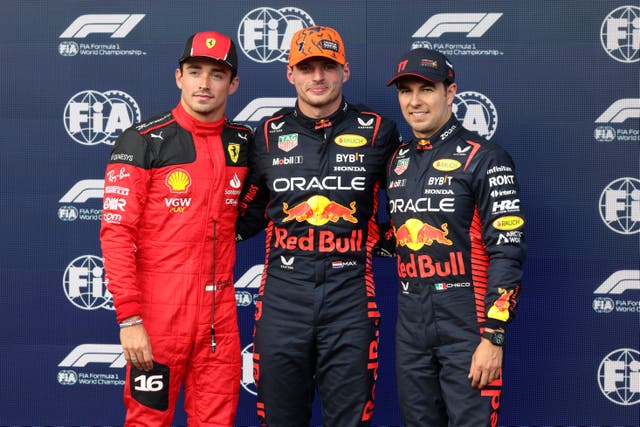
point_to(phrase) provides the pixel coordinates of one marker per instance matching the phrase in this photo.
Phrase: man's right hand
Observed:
(136, 345)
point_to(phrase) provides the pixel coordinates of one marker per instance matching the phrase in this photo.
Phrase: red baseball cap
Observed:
(213, 45)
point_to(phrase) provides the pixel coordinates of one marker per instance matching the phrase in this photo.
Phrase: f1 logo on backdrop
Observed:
(92, 117)
(609, 295)
(619, 376)
(250, 280)
(260, 108)
(616, 114)
(84, 190)
(476, 112)
(621, 110)
(84, 284)
(265, 33)
(620, 205)
(620, 34)
(117, 25)
(450, 27)
(82, 355)
(472, 24)
(97, 374)
(80, 193)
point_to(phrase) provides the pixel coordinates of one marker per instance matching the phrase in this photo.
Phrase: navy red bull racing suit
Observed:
(455, 207)
(316, 314)
(168, 241)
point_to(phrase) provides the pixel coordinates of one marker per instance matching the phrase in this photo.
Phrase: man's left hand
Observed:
(486, 364)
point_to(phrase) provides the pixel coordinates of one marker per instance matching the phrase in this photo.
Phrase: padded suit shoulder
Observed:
(155, 143)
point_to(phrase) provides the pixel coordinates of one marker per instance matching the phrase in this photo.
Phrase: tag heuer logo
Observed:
(401, 166)
(288, 142)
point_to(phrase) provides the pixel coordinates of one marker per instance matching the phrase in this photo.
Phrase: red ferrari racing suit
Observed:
(455, 206)
(168, 240)
(316, 314)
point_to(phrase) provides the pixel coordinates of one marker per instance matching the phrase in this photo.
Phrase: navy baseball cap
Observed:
(425, 64)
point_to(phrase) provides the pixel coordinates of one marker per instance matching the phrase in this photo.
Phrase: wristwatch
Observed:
(496, 337)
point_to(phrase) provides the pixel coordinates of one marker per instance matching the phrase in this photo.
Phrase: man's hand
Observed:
(136, 345)
(486, 364)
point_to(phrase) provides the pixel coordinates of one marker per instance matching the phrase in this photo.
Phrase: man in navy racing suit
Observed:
(455, 208)
(317, 169)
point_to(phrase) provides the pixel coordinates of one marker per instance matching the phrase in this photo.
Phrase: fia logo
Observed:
(265, 33)
(92, 117)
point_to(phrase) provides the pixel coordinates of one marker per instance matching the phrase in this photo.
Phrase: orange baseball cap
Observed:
(316, 41)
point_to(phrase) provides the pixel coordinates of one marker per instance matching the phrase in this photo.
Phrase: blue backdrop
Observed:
(556, 83)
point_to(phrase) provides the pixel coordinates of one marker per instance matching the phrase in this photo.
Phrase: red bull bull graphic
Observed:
(500, 309)
(414, 234)
(318, 210)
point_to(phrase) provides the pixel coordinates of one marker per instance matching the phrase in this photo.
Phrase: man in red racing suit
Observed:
(168, 240)
(455, 206)
(317, 168)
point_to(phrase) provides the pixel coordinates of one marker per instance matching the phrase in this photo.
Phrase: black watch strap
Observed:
(495, 337)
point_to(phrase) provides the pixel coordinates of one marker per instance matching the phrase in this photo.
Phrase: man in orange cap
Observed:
(168, 241)
(314, 181)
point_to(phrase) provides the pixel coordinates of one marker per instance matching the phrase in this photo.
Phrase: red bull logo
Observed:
(318, 210)
(324, 241)
(414, 234)
(500, 309)
(423, 266)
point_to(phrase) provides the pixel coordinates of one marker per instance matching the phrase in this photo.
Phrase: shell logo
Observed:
(178, 181)
(446, 165)
(350, 141)
(507, 223)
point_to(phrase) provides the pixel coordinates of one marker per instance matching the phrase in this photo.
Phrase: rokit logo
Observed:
(93, 364)
(92, 117)
(443, 31)
(84, 284)
(620, 34)
(265, 33)
(476, 112)
(116, 26)
(609, 295)
(80, 193)
(620, 205)
(619, 376)
(260, 108)
(627, 111)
